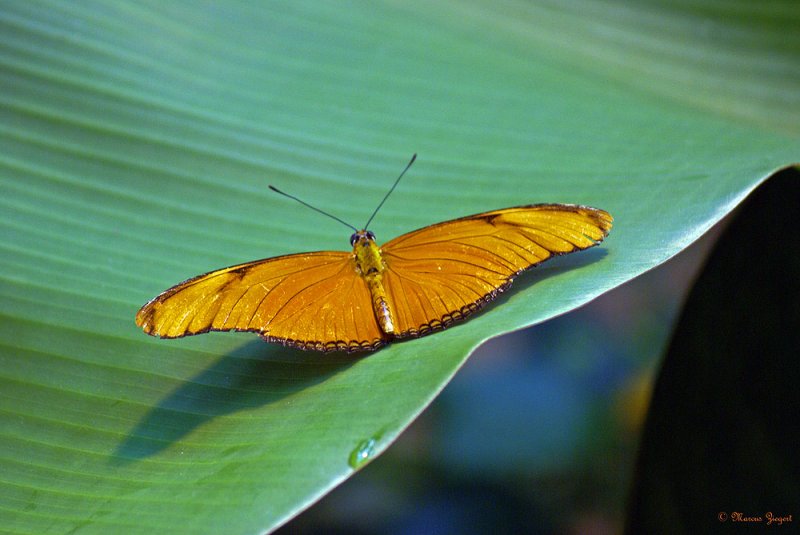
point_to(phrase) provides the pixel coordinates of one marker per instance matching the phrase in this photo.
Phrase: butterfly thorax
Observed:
(367, 253)
(370, 265)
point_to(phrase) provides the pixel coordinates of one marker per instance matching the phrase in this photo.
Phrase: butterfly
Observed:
(362, 299)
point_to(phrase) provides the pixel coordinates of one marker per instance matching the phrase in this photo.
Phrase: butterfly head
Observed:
(362, 237)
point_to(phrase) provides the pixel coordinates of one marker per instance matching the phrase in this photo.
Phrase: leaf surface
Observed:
(136, 145)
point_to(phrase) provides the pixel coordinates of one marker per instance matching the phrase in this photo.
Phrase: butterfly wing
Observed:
(310, 301)
(444, 272)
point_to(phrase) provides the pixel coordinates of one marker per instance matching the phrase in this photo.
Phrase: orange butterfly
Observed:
(415, 284)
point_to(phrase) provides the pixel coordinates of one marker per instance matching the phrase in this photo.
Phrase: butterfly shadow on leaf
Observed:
(551, 268)
(252, 376)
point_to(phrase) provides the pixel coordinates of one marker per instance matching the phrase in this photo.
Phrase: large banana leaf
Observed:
(136, 144)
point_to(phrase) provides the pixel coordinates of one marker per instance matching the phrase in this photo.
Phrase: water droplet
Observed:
(363, 453)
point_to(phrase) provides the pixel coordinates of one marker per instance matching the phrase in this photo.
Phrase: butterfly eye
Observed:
(370, 235)
(353, 239)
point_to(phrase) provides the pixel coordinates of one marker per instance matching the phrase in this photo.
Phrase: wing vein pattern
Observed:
(452, 269)
(297, 300)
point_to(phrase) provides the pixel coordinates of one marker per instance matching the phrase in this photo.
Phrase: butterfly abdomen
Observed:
(381, 307)
(369, 264)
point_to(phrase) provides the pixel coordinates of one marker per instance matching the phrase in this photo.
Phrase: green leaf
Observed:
(137, 143)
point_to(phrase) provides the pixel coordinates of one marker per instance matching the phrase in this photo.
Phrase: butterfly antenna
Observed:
(390, 190)
(276, 190)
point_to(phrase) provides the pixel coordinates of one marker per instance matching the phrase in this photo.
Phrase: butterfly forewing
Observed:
(445, 272)
(310, 300)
